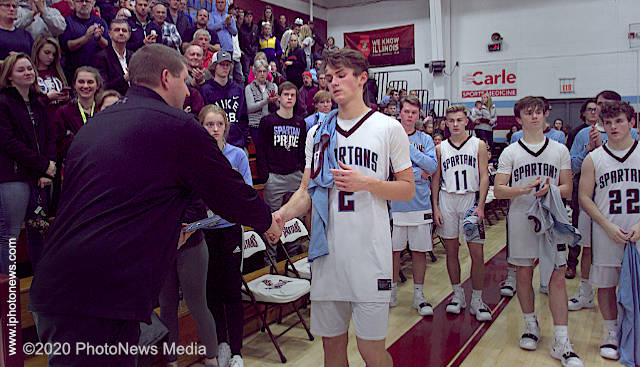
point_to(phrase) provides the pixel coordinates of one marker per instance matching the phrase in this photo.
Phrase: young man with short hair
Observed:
(459, 187)
(412, 220)
(349, 158)
(549, 132)
(526, 171)
(611, 201)
(587, 140)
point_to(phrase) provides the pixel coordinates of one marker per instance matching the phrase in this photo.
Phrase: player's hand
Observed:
(349, 179)
(526, 189)
(275, 231)
(184, 236)
(616, 234)
(595, 138)
(634, 233)
(480, 213)
(425, 175)
(544, 189)
(437, 217)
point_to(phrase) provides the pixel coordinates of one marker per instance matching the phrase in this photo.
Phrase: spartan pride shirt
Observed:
(281, 145)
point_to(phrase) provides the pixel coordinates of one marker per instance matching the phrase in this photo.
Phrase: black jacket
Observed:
(129, 176)
(182, 23)
(109, 66)
(294, 72)
(248, 35)
(25, 148)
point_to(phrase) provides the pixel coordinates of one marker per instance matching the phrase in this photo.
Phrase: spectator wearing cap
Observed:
(224, 25)
(269, 44)
(112, 62)
(12, 38)
(83, 38)
(249, 35)
(177, 17)
(229, 95)
(37, 18)
(144, 30)
(202, 18)
(169, 33)
(295, 62)
(306, 93)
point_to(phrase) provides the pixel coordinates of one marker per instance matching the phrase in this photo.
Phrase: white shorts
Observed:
(560, 261)
(584, 226)
(419, 237)
(604, 276)
(453, 208)
(331, 318)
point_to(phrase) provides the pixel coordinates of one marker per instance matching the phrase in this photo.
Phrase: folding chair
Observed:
(292, 231)
(272, 290)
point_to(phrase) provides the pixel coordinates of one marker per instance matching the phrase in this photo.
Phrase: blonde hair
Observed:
(456, 108)
(211, 108)
(489, 101)
(38, 44)
(305, 32)
(7, 68)
(102, 96)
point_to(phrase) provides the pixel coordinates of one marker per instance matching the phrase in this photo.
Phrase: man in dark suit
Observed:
(113, 61)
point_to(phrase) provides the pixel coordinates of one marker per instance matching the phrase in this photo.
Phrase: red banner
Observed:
(384, 47)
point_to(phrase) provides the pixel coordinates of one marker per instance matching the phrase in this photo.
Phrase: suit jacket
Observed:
(109, 66)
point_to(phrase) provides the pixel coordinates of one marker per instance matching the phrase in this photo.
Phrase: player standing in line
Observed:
(609, 194)
(354, 278)
(412, 220)
(462, 178)
(588, 139)
(521, 168)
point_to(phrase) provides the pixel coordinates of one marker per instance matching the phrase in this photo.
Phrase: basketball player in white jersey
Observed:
(462, 174)
(535, 162)
(610, 195)
(354, 279)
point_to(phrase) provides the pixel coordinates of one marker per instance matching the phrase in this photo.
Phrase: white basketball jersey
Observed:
(617, 196)
(459, 166)
(524, 166)
(359, 265)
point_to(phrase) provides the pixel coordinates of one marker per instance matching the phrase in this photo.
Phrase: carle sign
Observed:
(498, 80)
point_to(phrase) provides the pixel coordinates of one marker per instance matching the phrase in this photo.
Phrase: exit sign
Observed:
(567, 85)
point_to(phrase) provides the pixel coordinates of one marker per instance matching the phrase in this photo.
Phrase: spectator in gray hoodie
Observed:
(36, 17)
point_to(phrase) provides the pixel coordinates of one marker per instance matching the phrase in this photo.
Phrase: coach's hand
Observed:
(544, 189)
(437, 217)
(350, 179)
(275, 231)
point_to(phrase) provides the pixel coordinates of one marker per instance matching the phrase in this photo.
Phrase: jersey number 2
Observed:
(633, 199)
(464, 179)
(345, 205)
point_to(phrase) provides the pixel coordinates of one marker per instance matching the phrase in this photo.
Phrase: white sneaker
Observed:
(609, 347)
(480, 310)
(224, 354)
(581, 300)
(236, 361)
(563, 351)
(508, 287)
(424, 308)
(457, 303)
(531, 335)
(394, 297)
(544, 289)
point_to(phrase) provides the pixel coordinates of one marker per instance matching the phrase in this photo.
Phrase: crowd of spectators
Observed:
(258, 77)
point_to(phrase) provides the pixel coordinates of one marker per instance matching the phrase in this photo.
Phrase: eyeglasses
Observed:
(9, 5)
(591, 109)
(83, 1)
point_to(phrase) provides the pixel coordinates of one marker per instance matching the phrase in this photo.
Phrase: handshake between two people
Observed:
(277, 225)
